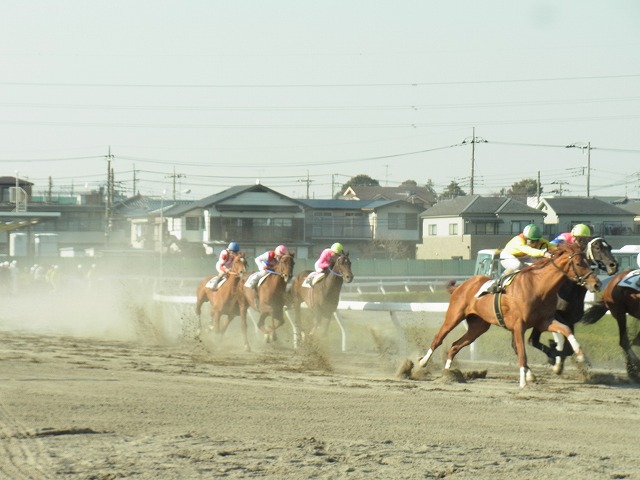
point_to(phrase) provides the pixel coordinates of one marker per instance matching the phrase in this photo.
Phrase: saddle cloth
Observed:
(631, 280)
(312, 279)
(499, 283)
(249, 282)
(220, 283)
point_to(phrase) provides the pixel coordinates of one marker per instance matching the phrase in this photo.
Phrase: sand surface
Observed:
(99, 403)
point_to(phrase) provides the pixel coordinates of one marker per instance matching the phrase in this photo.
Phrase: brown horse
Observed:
(620, 301)
(528, 302)
(322, 298)
(271, 298)
(225, 299)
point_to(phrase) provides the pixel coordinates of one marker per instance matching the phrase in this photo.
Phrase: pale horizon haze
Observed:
(301, 96)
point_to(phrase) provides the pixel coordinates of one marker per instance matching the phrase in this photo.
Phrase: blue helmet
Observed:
(234, 247)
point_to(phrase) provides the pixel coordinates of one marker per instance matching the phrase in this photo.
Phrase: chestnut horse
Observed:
(225, 299)
(571, 304)
(529, 301)
(620, 301)
(322, 298)
(271, 298)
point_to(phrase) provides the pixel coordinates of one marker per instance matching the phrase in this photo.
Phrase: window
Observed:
(403, 221)
(433, 229)
(192, 223)
(453, 229)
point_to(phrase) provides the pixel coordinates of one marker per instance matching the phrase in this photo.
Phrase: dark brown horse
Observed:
(322, 298)
(571, 304)
(225, 299)
(271, 298)
(529, 301)
(620, 300)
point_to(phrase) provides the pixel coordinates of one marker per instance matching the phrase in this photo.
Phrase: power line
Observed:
(316, 85)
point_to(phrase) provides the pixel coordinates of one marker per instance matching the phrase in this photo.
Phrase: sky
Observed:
(192, 97)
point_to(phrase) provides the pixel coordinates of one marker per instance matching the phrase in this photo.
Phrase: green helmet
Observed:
(532, 232)
(336, 248)
(581, 230)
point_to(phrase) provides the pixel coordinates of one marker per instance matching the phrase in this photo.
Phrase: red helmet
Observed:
(281, 250)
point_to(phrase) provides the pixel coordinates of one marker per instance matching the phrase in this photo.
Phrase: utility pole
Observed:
(308, 182)
(135, 181)
(584, 147)
(174, 177)
(473, 142)
(108, 198)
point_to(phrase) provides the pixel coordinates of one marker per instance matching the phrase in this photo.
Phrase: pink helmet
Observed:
(281, 250)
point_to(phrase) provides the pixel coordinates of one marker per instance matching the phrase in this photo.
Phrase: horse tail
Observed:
(451, 286)
(594, 314)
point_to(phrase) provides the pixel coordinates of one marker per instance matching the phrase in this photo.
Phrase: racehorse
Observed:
(271, 298)
(323, 296)
(571, 304)
(620, 300)
(529, 301)
(225, 299)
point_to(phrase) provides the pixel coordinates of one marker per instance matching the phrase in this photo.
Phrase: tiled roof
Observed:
(406, 193)
(473, 205)
(582, 205)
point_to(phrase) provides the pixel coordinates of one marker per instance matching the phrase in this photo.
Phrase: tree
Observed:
(360, 180)
(409, 183)
(528, 186)
(453, 190)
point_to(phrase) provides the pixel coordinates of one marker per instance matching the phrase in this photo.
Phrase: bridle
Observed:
(579, 279)
(332, 271)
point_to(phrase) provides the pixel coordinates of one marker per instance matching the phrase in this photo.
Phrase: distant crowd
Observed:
(47, 278)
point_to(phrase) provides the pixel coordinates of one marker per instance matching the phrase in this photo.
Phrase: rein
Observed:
(580, 280)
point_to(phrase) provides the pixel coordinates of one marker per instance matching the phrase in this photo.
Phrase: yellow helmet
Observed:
(336, 248)
(581, 230)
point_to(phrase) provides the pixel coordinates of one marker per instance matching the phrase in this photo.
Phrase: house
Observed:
(459, 227)
(256, 216)
(366, 227)
(607, 220)
(421, 196)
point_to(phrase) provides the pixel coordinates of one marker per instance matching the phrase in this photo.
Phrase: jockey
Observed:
(327, 254)
(267, 261)
(580, 234)
(524, 249)
(323, 262)
(224, 263)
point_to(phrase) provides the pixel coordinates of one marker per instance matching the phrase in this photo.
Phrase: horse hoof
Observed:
(558, 367)
(530, 377)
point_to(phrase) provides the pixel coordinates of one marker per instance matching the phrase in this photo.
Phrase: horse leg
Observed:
(475, 327)
(521, 352)
(631, 359)
(452, 319)
(534, 341)
(561, 328)
(265, 331)
(243, 327)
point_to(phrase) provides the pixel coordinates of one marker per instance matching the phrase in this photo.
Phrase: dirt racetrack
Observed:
(94, 393)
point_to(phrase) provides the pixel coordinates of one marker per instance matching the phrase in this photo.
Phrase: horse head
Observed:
(341, 266)
(285, 267)
(599, 252)
(573, 263)
(239, 266)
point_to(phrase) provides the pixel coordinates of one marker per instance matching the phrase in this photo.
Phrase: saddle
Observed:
(496, 285)
(312, 279)
(252, 277)
(631, 280)
(211, 282)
